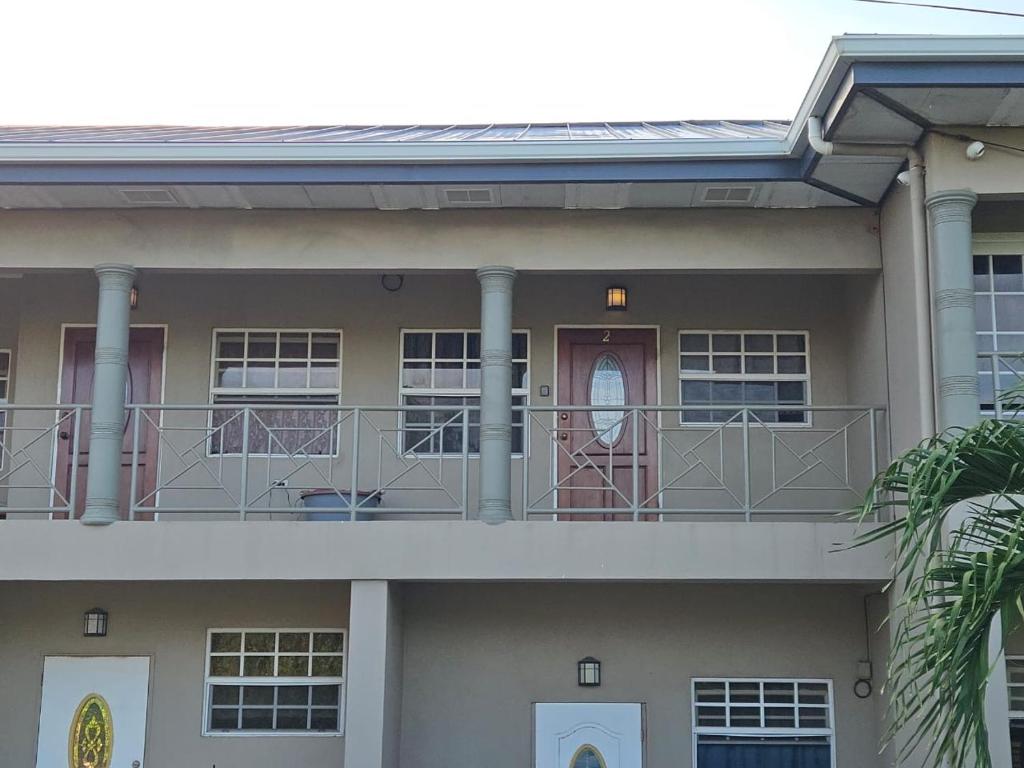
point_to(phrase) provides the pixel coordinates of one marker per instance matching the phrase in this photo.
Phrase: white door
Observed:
(588, 736)
(93, 712)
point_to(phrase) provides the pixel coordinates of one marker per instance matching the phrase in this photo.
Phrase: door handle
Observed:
(136, 764)
(563, 416)
(563, 435)
(64, 435)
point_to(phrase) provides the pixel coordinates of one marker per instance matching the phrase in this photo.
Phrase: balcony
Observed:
(649, 463)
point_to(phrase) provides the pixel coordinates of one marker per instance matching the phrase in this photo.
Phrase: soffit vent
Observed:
(471, 196)
(729, 195)
(148, 196)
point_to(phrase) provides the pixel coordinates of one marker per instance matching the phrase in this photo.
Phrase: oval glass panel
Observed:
(587, 757)
(608, 388)
(91, 740)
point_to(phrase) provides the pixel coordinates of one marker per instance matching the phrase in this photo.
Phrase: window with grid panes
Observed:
(276, 367)
(5, 384)
(720, 368)
(764, 722)
(275, 680)
(999, 307)
(441, 369)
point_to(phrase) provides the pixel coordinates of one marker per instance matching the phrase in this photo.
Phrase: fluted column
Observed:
(496, 393)
(106, 433)
(956, 372)
(956, 364)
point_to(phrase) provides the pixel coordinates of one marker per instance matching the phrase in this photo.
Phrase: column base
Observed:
(100, 512)
(494, 511)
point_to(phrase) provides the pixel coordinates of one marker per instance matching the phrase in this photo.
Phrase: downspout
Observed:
(919, 248)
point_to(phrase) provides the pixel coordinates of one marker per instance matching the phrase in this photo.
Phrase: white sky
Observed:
(224, 62)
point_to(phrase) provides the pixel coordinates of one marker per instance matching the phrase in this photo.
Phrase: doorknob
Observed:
(563, 435)
(563, 416)
(136, 764)
(64, 435)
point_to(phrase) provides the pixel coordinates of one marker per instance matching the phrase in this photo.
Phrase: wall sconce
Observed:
(95, 623)
(615, 299)
(133, 297)
(588, 671)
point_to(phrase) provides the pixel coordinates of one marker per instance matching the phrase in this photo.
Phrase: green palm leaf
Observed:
(958, 533)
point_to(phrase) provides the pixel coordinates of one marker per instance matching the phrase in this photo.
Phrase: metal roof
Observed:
(347, 134)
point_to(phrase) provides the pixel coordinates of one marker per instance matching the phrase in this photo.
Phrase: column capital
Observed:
(496, 277)
(951, 205)
(116, 275)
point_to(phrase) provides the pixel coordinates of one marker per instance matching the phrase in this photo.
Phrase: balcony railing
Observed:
(230, 461)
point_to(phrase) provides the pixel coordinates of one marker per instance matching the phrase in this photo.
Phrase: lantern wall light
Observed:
(588, 672)
(615, 299)
(95, 623)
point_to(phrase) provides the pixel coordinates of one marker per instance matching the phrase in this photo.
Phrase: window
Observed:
(999, 309)
(276, 367)
(768, 723)
(742, 368)
(442, 368)
(274, 680)
(1015, 691)
(5, 384)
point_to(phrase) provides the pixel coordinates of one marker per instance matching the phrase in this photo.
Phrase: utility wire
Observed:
(945, 7)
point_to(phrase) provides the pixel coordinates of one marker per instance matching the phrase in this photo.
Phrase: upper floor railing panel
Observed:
(318, 462)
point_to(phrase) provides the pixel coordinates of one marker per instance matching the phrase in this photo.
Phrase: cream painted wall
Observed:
(826, 239)
(998, 172)
(168, 622)
(477, 657)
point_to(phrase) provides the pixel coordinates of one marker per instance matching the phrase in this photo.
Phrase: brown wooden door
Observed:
(615, 368)
(145, 375)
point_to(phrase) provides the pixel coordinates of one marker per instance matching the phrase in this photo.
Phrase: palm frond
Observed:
(958, 532)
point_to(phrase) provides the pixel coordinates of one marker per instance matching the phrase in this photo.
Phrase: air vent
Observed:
(735, 195)
(470, 196)
(148, 196)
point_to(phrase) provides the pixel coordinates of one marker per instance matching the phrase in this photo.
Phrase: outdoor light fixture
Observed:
(95, 623)
(588, 672)
(615, 299)
(975, 150)
(133, 300)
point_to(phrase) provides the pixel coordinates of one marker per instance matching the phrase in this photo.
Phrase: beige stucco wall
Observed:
(168, 623)
(477, 657)
(820, 239)
(998, 172)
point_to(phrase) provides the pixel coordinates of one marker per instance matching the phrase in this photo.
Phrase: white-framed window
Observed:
(5, 386)
(442, 368)
(752, 368)
(999, 313)
(272, 681)
(763, 721)
(1015, 692)
(299, 367)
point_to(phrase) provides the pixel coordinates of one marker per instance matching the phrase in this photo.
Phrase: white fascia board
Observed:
(390, 152)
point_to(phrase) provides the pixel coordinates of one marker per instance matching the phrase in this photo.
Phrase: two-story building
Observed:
(491, 445)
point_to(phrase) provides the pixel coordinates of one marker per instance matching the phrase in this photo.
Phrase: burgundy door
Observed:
(615, 368)
(145, 374)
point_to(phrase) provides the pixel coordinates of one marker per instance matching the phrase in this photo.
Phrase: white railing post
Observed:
(636, 465)
(134, 468)
(76, 443)
(465, 462)
(243, 494)
(747, 512)
(353, 509)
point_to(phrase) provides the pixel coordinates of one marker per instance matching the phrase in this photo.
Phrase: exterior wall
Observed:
(483, 655)
(998, 172)
(823, 239)
(169, 623)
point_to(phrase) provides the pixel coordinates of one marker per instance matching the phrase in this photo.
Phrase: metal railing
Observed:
(998, 373)
(239, 461)
(648, 463)
(36, 477)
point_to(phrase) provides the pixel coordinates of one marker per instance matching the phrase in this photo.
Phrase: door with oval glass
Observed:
(602, 374)
(588, 735)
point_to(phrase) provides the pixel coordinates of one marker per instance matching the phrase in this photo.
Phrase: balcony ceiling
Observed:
(868, 89)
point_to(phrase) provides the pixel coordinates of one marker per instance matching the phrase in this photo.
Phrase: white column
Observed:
(106, 433)
(373, 690)
(956, 372)
(496, 393)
